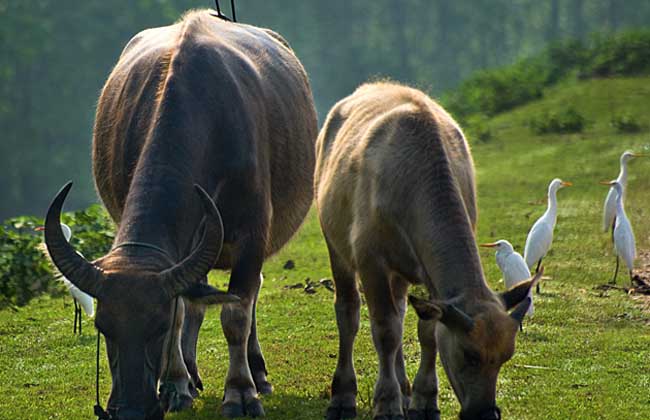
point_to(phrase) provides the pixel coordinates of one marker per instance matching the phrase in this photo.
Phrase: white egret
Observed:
(80, 299)
(540, 237)
(512, 265)
(624, 244)
(609, 210)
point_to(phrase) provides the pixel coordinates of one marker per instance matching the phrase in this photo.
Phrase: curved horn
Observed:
(195, 267)
(83, 274)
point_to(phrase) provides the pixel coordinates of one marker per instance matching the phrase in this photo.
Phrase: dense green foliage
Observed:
(562, 121)
(584, 354)
(55, 56)
(25, 271)
(493, 91)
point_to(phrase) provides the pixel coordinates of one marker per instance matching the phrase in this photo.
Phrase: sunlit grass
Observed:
(584, 355)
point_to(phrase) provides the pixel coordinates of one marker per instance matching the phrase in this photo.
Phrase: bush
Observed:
(624, 54)
(477, 128)
(564, 122)
(25, 272)
(490, 92)
(625, 124)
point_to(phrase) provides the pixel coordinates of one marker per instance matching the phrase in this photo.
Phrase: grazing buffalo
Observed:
(396, 200)
(225, 106)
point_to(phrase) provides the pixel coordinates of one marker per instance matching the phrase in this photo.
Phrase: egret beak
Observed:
(566, 184)
(640, 155)
(39, 228)
(608, 183)
(491, 245)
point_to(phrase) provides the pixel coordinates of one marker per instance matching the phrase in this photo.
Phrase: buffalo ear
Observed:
(205, 294)
(520, 310)
(425, 309)
(518, 293)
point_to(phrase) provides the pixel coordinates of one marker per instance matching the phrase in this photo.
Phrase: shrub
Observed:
(25, 272)
(625, 124)
(477, 128)
(490, 92)
(563, 122)
(623, 54)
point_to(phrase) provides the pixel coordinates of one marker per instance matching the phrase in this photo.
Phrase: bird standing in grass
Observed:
(80, 299)
(609, 210)
(540, 237)
(512, 265)
(624, 244)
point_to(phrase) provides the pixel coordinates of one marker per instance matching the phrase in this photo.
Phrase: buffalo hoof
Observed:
(427, 414)
(389, 417)
(180, 403)
(340, 413)
(232, 410)
(264, 387)
(252, 408)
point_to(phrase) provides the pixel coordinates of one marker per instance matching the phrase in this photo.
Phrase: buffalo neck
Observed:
(448, 251)
(161, 208)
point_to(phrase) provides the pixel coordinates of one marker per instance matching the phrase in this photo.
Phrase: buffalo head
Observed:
(473, 348)
(135, 305)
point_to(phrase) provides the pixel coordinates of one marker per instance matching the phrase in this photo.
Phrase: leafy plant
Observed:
(561, 122)
(25, 271)
(626, 124)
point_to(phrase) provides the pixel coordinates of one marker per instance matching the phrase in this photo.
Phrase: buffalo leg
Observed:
(256, 361)
(175, 371)
(400, 289)
(194, 315)
(346, 306)
(240, 395)
(386, 328)
(424, 401)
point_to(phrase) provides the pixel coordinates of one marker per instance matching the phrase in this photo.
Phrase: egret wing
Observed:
(609, 210)
(538, 242)
(84, 299)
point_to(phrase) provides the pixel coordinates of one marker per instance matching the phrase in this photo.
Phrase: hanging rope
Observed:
(224, 17)
(98, 409)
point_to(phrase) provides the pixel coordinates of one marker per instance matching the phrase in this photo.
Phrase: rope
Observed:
(98, 409)
(232, 9)
(145, 245)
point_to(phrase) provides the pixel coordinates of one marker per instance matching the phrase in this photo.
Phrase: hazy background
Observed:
(55, 56)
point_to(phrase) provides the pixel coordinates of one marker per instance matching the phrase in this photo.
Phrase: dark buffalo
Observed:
(225, 106)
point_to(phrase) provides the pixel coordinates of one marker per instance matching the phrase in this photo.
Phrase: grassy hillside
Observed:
(584, 354)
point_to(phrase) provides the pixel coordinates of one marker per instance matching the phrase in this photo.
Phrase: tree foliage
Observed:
(55, 56)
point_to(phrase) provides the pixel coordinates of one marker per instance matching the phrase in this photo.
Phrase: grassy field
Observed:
(584, 355)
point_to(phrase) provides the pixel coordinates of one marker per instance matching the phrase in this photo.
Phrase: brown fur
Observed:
(226, 106)
(396, 197)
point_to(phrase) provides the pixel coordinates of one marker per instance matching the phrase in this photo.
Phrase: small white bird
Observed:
(512, 265)
(624, 243)
(80, 299)
(540, 237)
(609, 210)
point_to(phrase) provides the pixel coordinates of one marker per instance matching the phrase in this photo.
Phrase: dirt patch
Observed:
(640, 289)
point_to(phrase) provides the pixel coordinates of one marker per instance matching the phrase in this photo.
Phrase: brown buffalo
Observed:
(396, 200)
(225, 106)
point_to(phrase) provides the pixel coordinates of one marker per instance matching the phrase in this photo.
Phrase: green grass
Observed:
(583, 356)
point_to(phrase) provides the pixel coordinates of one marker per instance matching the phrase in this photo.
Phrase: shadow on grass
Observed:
(277, 406)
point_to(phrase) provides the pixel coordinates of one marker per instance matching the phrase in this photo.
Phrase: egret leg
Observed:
(613, 281)
(521, 326)
(631, 279)
(76, 315)
(613, 226)
(79, 317)
(539, 264)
